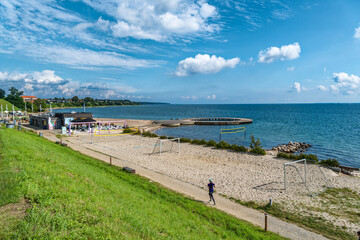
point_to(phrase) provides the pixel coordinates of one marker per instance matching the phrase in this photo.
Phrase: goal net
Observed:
(305, 174)
(167, 145)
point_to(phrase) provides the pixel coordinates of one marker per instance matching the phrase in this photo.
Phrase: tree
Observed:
(75, 99)
(14, 97)
(15, 93)
(37, 104)
(2, 93)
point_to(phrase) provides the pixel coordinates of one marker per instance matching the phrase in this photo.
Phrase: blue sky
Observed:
(264, 51)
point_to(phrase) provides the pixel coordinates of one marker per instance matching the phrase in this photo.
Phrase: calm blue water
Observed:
(332, 129)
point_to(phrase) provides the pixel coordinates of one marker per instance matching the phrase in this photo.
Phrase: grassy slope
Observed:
(4, 103)
(77, 197)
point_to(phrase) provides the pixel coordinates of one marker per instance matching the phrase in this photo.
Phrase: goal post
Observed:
(167, 145)
(304, 178)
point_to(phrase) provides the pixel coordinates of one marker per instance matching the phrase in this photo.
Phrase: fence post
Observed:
(266, 225)
(285, 177)
(110, 160)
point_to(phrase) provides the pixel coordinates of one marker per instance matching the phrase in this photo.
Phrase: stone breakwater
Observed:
(292, 147)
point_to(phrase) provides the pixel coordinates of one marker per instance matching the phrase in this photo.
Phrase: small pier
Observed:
(204, 121)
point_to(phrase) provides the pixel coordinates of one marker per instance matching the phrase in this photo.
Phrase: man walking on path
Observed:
(211, 186)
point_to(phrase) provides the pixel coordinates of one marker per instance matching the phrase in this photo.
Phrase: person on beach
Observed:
(211, 187)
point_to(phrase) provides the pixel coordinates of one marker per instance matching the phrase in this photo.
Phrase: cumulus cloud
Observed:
(286, 52)
(296, 87)
(357, 33)
(322, 88)
(211, 97)
(204, 64)
(47, 84)
(345, 84)
(156, 20)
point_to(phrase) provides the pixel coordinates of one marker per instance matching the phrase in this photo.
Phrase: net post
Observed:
(160, 146)
(305, 173)
(285, 177)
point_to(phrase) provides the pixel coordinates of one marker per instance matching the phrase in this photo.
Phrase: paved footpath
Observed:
(253, 216)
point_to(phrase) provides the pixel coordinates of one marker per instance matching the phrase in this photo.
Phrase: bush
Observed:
(129, 130)
(258, 150)
(149, 134)
(163, 137)
(197, 142)
(223, 145)
(255, 146)
(185, 140)
(202, 142)
(331, 162)
(238, 148)
(211, 143)
(253, 143)
(298, 157)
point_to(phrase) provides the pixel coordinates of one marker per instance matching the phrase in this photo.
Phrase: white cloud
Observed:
(211, 97)
(157, 20)
(48, 84)
(322, 88)
(189, 97)
(203, 63)
(286, 52)
(357, 33)
(85, 58)
(290, 69)
(51, 33)
(296, 87)
(345, 83)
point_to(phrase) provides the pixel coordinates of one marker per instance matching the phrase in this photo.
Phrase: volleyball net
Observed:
(232, 130)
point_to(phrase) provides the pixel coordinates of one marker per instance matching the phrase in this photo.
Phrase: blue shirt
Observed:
(211, 187)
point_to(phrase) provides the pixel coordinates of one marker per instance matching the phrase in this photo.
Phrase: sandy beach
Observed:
(242, 176)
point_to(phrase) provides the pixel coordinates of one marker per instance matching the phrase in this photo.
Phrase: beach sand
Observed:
(242, 176)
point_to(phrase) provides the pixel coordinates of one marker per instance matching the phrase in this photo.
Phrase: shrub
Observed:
(331, 162)
(149, 134)
(211, 143)
(129, 130)
(196, 141)
(202, 142)
(223, 145)
(163, 137)
(298, 157)
(255, 146)
(184, 140)
(258, 150)
(238, 148)
(254, 143)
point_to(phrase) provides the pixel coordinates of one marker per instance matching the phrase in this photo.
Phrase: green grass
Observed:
(9, 105)
(73, 196)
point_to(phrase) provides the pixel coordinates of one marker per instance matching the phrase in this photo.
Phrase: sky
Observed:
(192, 52)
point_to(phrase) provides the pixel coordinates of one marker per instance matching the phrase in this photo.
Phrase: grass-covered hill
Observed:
(9, 105)
(52, 192)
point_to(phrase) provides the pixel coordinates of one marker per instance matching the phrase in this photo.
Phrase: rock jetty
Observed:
(292, 147)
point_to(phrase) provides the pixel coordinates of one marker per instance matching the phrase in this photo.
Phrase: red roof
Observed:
(28, 97)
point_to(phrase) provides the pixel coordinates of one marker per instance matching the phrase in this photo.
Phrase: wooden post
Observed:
(110, 160)
(266, 217)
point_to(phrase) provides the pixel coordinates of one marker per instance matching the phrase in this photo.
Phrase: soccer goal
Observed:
(310, 173)
(167, 145)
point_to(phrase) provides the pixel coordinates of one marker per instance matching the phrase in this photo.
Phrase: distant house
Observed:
(29, 98)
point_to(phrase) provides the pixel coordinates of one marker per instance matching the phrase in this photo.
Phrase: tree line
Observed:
(14, 97)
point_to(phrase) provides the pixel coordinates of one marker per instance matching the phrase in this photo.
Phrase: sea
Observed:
(333, 130)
